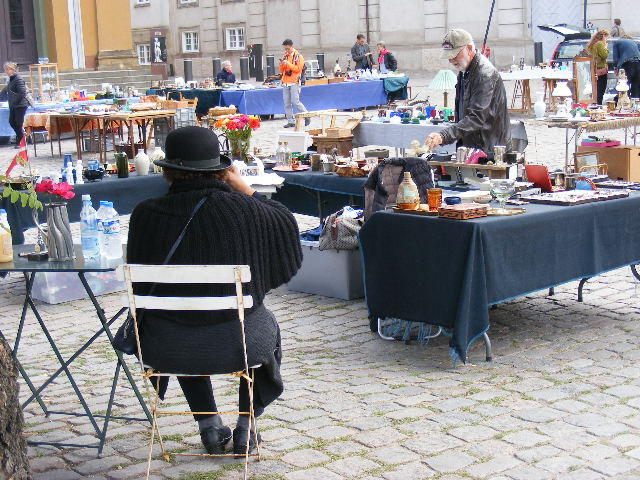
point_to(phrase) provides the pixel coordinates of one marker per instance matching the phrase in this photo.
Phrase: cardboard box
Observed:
(623, 162)
(331, 273)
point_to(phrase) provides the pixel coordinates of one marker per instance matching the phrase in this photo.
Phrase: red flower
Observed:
(62, 189)
(254, 123)
(44, 186)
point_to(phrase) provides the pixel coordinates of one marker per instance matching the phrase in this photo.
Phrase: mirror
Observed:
(584, 80)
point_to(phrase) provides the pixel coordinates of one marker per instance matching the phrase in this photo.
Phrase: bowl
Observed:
(452, 200)
(269, 164)
(482, 198)
(93, 175)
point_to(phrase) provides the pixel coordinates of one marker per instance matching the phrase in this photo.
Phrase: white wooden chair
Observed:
(190, 274)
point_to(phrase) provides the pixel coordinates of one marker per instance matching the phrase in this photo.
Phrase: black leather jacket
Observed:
(484, 120)
(15, 92)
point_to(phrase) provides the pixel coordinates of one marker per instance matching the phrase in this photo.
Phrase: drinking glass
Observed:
(434, 198)
(502, 189)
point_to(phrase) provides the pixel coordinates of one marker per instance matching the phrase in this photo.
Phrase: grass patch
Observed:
(217, 475)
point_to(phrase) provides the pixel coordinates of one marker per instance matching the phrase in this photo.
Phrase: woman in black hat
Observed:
(235, 225)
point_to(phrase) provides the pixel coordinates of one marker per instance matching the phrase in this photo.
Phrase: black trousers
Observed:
(632, 69)
(601, 87)
(199, 394)
(16, 119)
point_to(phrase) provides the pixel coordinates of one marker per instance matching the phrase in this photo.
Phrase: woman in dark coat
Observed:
(16, 93)
(234, 226)
(386, 61)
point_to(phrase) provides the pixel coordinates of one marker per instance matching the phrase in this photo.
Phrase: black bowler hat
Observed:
(195, 149)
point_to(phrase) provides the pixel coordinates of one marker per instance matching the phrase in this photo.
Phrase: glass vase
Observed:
(58, 233)
(240, 149)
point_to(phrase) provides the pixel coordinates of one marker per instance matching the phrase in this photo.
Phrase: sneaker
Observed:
(214, 439)
(289, 125)
(307, 121)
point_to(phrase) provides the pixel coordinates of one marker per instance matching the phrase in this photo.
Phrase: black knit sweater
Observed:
(229, 228)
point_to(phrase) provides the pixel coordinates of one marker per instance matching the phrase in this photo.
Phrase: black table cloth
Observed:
(448, 272)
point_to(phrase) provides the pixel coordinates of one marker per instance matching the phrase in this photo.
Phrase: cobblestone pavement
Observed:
(561, 399)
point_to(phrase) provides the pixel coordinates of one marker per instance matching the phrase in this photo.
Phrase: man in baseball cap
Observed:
(482, 119)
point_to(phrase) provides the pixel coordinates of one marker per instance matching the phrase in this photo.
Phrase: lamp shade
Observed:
(444, 80)
(561, 90)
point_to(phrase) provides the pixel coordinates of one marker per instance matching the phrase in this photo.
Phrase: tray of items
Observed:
(462, 211)
(423, 209)
(619, 184)
(576, 197)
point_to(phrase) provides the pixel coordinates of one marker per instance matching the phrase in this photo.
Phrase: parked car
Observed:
(575, 43)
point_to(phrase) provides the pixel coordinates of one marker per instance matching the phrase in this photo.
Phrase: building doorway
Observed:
(18, 32)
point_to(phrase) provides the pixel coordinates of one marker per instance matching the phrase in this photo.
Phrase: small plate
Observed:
(507, 211)
(289, 169)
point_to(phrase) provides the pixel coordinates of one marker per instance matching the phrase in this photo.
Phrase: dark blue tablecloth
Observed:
(343, 95)
(448, 272)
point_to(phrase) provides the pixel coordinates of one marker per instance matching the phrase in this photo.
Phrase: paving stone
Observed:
(580, 474)
(393, 455)
(305, 457)
(452, 404)
(313, 474)
(615, 465)
(413, 470)
(58, 474)
(473, 433)
(351, 467)
(42, 464)
(525, 438)
(559, 463)
(431, 444)
(379, 437)
(626, 440)
(595, 453)
(539, 415)
(137, 470)
(98, 465)
(527, 472)
(492, 467)
(534, 454)
(189, 467)
(331, 432)
(450, 461)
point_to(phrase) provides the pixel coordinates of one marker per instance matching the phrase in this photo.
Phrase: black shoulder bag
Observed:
(125, 339)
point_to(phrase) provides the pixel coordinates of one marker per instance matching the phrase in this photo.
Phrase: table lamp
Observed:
(622, 87)
(562, 92)
(444, 80)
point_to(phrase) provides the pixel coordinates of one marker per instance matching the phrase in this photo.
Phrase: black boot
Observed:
(240, 441)
(214, 439)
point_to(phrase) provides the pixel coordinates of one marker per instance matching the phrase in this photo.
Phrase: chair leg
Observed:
(154, 425)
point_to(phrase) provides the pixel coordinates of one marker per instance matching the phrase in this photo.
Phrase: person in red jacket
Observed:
(291, 65)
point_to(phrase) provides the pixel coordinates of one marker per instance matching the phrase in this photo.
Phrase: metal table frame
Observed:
(29, 271)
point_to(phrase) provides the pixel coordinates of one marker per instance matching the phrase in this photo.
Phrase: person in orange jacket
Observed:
(291, 65)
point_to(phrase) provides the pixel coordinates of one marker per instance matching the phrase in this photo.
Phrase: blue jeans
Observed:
(291, 97)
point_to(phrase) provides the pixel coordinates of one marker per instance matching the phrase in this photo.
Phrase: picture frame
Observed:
(584, 80)
(589, 163)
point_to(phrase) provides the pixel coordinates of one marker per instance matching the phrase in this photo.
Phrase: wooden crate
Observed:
(337, 132)
(335, 80)
(326, 144)
(316, 81)
(463, 211)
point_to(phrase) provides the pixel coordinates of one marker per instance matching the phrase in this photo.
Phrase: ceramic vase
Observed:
(142, 162)
(539, 107)
(407, 197)
(240, 149)
(58, 233)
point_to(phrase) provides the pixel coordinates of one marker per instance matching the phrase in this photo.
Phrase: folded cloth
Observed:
(311, 235)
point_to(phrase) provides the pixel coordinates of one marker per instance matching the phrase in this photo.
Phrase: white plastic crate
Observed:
(298, 141)
(59, 287)
(185, 117)
(331, 273)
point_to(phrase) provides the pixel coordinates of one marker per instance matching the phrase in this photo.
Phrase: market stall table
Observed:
(485, 261)
(580, 127)
(398, 135)
(29, 270)
(341, 95)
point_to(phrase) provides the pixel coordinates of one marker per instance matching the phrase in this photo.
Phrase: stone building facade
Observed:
(412, 29)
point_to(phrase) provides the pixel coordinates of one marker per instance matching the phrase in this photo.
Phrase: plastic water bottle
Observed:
(89, 230)
(6, 246)
(101, 214)
(111, 230)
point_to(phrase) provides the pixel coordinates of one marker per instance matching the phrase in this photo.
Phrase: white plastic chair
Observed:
(190, 274)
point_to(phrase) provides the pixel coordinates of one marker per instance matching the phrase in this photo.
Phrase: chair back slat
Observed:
(187, 273)
(191, 303)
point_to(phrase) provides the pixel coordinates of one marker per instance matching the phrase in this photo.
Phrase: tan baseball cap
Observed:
(454, 41)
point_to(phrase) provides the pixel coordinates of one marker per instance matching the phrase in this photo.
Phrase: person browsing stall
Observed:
(16, 93)
(626, 55)
(482, 119)
(291, 65)
(599, 51)
(234, 226)
(226, 75)
(361, 53)
(386, 61)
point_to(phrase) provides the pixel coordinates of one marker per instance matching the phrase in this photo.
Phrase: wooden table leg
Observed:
(131, 138)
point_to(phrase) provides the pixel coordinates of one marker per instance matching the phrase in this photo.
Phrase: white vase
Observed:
(141, 162)
(157, 154)
(539, 107)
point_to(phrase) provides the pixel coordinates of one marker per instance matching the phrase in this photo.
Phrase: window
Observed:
(190, 42)
(143, 2)
(235, 38)
(16, 23)
(186, 2)
(144, 54)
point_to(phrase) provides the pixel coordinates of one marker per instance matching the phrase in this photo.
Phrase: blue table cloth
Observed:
(7, 131)
(448, 272)
(342, 96)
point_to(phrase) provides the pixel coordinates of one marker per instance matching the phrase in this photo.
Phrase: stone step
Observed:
(91, 81)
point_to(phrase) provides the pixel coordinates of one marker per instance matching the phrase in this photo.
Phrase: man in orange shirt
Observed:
(291, 65)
